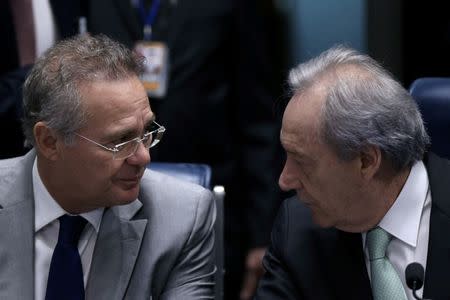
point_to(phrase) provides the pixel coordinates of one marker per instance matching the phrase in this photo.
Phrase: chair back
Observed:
(201, 174)
(432, 94)
(195, 173)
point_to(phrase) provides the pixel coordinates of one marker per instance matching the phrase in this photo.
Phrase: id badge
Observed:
(156, 67)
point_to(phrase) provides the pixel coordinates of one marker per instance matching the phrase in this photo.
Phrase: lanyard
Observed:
(148, 17)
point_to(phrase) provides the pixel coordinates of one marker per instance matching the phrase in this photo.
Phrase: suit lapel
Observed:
(438, 260)
(349, 272)
(17, 233)
(115, 253)
(17, 252)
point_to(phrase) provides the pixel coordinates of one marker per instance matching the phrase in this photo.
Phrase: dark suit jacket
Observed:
(308, 262)
(219, 106)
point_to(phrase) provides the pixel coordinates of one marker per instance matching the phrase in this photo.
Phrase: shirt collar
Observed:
(403, 218)
(48, 210)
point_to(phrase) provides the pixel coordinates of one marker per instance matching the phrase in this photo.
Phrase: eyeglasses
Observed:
(126, 149)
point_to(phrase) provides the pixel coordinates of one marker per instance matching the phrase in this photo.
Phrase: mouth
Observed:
(130, 181)
(128, 184)
(305, 200)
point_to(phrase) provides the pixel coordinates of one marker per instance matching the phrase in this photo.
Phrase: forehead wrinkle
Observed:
(131, 125)
(301, 126)
(144, 98)
(305, 115)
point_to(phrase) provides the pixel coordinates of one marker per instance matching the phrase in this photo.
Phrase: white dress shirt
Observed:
(46, 228)
(408, 221)
(45, 29)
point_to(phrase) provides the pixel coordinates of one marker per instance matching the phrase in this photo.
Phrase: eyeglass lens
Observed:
(149, 140)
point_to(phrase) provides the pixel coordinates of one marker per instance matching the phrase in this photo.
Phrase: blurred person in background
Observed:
(28, 28)
(218, 108)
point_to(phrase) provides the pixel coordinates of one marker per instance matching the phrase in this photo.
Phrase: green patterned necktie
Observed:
(386, 284)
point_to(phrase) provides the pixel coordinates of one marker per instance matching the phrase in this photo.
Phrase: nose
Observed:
(141, 157)
(289, 177)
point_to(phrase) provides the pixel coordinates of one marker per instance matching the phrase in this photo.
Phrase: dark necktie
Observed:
(65, 278)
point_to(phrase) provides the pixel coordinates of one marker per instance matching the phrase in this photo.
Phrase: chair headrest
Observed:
(195, 173)
(432, 94)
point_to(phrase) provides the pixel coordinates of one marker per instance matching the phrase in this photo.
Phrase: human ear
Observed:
(370, 161)
(46, 140)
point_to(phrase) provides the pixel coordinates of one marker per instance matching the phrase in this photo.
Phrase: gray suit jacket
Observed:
(157, 247)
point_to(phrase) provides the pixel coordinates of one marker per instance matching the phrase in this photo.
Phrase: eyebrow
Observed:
(300, 156)
(148, 125)
(297, 154)
(130, 132)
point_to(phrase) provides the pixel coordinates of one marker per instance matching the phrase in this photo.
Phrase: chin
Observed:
(123, 197)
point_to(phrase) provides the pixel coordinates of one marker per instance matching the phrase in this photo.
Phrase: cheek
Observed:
(114, 167)
(99, 172)
(118, 169)
(341, 197)
(325, 190)
(317, 181)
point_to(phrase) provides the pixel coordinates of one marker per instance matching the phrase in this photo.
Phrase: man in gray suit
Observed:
(142, 235)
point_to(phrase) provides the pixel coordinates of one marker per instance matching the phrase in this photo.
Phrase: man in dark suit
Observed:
(367, 203)
(219, 87)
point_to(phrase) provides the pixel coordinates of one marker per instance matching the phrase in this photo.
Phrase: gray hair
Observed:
(52, 90)
(364, 106)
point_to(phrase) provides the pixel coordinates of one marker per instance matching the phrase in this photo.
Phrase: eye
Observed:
(121, 140)
(151, 127)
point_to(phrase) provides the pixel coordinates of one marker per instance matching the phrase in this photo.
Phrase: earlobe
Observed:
(370, 161)
(46, 141)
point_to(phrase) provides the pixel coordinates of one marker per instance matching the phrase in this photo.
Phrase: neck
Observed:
(375, 201)
(56, 185)
(388, 189)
